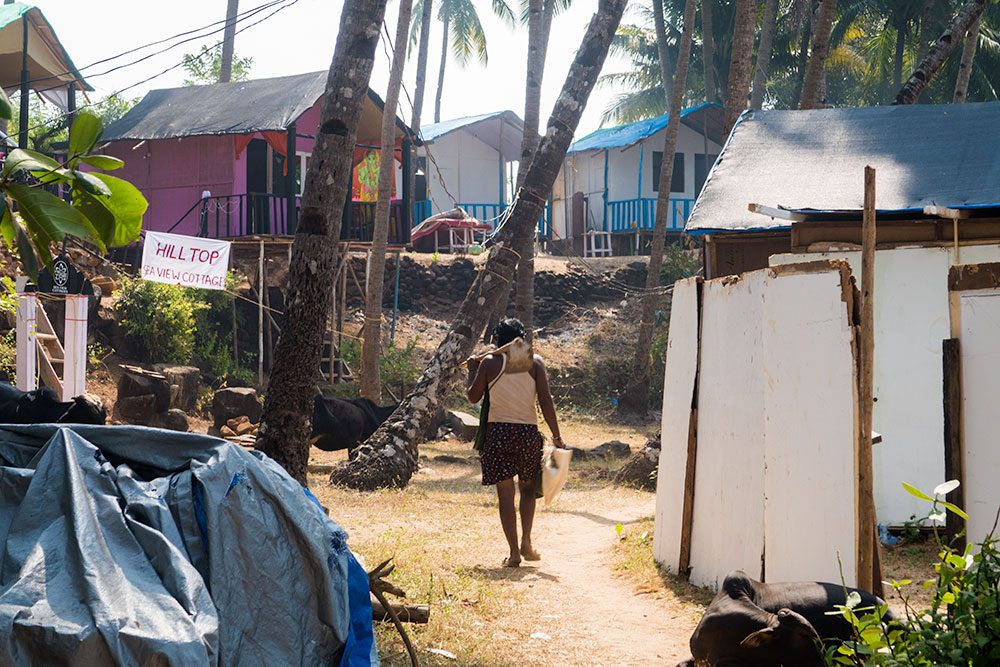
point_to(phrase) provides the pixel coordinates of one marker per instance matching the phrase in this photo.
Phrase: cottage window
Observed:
(676, 177)
(702, 163)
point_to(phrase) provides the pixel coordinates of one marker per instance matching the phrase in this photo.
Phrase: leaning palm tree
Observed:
(636, 398)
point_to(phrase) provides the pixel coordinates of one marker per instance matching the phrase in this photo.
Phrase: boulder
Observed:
(463, 424)
(136, 409)
(432, 431)
(233, 402)
(173, 419)
(612, 448)
(578, 454)
(639, 470)
(137, 381)
(183, 382)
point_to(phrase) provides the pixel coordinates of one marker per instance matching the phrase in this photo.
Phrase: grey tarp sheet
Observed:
(130, 545)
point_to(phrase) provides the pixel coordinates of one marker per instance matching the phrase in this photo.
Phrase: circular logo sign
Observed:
(60, 273)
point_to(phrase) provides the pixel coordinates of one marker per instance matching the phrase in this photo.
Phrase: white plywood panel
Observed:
(911, 320)
(809, 429)
(728, 531)
(678, 391)
(980, 349)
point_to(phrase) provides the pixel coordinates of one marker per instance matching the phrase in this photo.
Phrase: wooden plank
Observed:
(779, 213)
(260, 315)
(691, 459)
(676, 422)
(953, 448)
(865, 502)
(966, 277)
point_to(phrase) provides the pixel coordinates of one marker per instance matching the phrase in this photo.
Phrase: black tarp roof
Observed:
(239, 107)
(813, 161)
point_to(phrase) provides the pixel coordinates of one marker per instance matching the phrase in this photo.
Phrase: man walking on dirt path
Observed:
(513, 444)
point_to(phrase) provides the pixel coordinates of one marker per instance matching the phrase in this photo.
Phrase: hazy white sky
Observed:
(301, 37)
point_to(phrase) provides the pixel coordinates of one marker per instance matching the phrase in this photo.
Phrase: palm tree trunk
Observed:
(812, 89)
(285, 425)
(897, 61)
(923, 40)
(371, 348)
(524, 244)
(936, 56)
(803, 59)
(389, 457)
(636, 397)
(741, 61)
(764, 54)
(708, 51)
(666, 71)
(228, 37)
(446, 24)
(965, 69)
(423, 45)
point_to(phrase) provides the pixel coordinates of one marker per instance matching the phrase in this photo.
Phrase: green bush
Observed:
(962, 626)
(158, 318)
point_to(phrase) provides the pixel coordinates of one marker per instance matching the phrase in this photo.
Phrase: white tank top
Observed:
(512, 397)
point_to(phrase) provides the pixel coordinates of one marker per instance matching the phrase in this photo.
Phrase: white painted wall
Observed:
(728, 523)
(911, 320)
(979, 313)
(470, 170)
(809, 429)
(678, 390)
(776, 428)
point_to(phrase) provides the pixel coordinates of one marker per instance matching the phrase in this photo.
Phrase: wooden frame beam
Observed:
(773, 212)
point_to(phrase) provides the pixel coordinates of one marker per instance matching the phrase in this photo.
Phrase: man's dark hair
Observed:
(507, 330)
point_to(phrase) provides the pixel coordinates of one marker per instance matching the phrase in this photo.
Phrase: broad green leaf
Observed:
(84, 133)
(105, 162)
(26, 251)
(42, 210)
(22, 158)
(91, 183)
(118, 218)
(7, 223)
(944, 488)
(948, 598)
(41, 240)
(6, 111)
(955, 508)
(914, 491)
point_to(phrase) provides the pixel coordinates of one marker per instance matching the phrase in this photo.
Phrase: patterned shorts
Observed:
(511, 449)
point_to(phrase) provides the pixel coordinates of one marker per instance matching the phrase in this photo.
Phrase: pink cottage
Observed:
(213, 160)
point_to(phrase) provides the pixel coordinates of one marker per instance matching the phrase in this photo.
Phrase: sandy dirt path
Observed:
(593, 616)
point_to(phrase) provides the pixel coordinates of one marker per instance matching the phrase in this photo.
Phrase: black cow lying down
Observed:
(42, 406)
(342, 424)
(753, 624)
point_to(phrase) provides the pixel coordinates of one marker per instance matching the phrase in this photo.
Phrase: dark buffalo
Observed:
(342, 424)
(753, 624)
(42, 406)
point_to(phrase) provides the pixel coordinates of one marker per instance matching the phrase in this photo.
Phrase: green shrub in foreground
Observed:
(962, 626)
(158, 318)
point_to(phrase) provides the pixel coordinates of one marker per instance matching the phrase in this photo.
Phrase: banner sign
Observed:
(185, 260)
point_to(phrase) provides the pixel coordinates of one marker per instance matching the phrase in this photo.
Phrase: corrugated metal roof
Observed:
(813, 161)
(485, 127)
(626, 135)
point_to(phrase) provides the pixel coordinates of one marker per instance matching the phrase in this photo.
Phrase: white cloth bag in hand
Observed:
(555, 470)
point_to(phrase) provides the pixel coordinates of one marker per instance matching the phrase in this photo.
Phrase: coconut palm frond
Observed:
(630, 107)
(467, 35)
(504, 11)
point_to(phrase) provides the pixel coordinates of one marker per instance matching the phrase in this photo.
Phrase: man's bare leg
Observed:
(508, 519)
(527, 488)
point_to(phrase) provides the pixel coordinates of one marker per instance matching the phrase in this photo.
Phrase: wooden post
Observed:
(865, 488)
(75, 348)
(268, 347)
(260, 315)
(236, 350)
(341, 312)
(954, 454)
(687, 509)
(27, 351)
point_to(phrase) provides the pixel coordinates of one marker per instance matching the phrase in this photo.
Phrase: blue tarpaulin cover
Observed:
(135, 546)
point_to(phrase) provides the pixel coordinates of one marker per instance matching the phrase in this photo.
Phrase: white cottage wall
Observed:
(470, 169)
(911, 320)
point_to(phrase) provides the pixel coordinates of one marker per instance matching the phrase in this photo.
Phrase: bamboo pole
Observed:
(340, 316)
(865, 493)
(265, 290)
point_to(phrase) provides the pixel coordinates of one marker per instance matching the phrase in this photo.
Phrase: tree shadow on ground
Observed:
(596, 518)
(503, 573)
